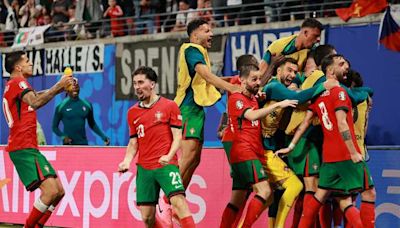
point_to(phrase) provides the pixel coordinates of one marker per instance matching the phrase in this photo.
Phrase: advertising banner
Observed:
(52, 61)
(97, 195)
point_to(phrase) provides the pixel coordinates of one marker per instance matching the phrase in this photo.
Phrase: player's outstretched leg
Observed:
(52, 192)
(181, 208)
(258, 204)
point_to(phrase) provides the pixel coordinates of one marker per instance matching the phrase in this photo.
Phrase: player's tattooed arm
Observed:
(346, 135)
(37, 100)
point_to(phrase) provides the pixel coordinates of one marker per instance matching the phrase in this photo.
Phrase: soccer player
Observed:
(155, 127)
(73, 111)
(295, 46)
(274, 137)
(246, 157)
(343, 170)
(20, 103)
(196, 90)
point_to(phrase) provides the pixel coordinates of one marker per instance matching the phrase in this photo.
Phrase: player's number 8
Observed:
(325, 118)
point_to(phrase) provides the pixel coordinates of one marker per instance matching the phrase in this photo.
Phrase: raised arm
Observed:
(252, 114)
(205, 72)
(36, 100)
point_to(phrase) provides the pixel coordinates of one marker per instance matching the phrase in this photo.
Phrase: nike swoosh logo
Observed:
(68, 109)
(135, 121)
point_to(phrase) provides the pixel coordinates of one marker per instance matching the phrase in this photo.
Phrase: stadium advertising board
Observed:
(98, 196)
(51, 61)
(162, 57)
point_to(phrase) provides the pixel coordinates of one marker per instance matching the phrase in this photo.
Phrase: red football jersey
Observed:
(334, 147)
(20, 117)
(246, 144)
(227, 134)
(152, 127)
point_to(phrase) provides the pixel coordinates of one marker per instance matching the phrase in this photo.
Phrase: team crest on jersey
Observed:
(46, 167)
(262, 171)
(84, 108)
(158, 115)
(315, 167)
(23, 85)
(239, 104)
(342, 96)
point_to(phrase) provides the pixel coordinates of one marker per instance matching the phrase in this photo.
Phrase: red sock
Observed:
(310, 212)
(239, 215)
(229, 216)
(337, 214)
(298, 209)
(157, 224)
(187, 222)
(353, 216)
(255, 208)
(367, 214)
(325, 215)
(45, 217)
(33, 218)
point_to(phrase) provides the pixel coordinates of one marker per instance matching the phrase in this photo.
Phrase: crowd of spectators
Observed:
(85, 19)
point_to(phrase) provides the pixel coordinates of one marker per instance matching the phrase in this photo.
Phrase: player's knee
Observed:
(148, 220)
(178, 202)
(263, 190)
(369, 195)
(61, 193)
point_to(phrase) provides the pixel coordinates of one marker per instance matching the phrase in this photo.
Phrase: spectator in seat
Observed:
(184, 16)
(27, 12)
(144, 13)
(91, 12)
(59, 11)
(114, 11)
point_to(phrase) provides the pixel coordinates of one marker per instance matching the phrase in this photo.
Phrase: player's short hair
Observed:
(12, 59)
(246, 59)
(329, 60)
(354, 78)
(283, 62)
(246, 69)
(148, 71)
(321, 52)
(312, 23)
(195, 24)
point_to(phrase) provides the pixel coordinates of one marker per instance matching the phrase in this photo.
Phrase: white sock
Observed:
(40, 205)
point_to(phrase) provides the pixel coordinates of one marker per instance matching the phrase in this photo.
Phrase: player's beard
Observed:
(252, 90)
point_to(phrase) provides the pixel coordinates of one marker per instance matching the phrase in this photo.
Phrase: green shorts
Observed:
(32, 167)
(345, 177)
(149, 182)
(193, 118)
(305, 160)
(227, 148)
(247, 173)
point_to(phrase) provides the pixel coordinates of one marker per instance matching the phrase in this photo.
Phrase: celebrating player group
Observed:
(293, 135)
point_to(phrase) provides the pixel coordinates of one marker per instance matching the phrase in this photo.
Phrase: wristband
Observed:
(291, 146)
